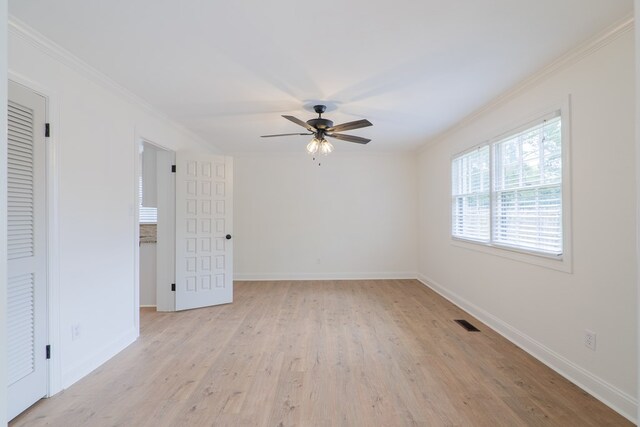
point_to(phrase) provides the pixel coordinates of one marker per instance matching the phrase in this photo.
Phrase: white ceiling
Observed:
(228, 69)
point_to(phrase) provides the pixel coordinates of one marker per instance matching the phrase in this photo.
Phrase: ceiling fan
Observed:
(321, 127)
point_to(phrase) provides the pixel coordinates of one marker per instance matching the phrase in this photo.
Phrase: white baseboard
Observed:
(100, 356)
(621, 402)
(147, 306)
(321, 276)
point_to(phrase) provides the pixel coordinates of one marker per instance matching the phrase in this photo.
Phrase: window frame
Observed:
(562, 262)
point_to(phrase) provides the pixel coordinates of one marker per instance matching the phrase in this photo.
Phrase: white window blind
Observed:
(527, 186)
(147, 215)
(471, 195)
(509, 193)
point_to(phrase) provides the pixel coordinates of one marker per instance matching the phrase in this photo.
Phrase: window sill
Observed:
(560, 264)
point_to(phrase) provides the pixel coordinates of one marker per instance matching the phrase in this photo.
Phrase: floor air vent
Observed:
(468, 326)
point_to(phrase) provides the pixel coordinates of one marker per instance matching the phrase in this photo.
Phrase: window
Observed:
(147, 215)
(471, 195)
(508, 192)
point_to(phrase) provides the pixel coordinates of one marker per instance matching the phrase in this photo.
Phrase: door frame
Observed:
(52, 169)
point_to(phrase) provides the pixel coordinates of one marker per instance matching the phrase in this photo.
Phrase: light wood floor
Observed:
(351, 353)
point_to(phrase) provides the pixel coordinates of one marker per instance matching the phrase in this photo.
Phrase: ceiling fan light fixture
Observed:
(325, 147)
(312, 147)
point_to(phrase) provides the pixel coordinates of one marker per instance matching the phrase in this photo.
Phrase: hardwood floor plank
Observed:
(321, 353)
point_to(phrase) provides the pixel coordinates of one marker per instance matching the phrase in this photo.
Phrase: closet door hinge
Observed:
(47, 130)
(173, 168)
(48, 351)
(173, 287)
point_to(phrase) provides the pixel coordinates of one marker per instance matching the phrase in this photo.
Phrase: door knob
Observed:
(228, 236)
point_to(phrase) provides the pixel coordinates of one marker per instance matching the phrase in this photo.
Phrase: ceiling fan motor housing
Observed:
(320, 123)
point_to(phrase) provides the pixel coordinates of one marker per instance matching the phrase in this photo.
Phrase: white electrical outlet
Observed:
(590, 339)
(75, 331)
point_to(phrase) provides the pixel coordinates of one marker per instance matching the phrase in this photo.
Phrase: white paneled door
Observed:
(26, 282)
(204, 249)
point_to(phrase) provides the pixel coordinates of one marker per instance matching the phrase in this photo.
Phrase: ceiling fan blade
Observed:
(349, 138)
(350, 125)
(284, 134)
(301, 123)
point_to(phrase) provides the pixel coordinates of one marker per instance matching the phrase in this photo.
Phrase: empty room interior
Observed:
(283, 213)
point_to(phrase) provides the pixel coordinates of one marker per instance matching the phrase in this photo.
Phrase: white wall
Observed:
(352, 217)
(95, 128)
(544, 310)
(3, 208)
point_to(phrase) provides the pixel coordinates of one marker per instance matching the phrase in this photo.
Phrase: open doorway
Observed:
(157, 227)
(188, 235)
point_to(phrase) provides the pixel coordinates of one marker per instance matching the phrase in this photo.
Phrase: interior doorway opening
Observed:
(157, 227)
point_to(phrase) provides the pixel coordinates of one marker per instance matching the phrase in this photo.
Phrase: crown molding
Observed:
(19, 29)
(567, 59)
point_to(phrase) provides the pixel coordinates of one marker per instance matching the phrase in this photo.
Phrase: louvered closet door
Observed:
(204, 264)
(26, 293)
